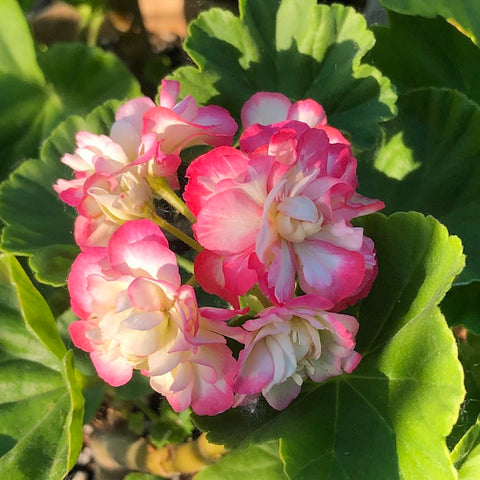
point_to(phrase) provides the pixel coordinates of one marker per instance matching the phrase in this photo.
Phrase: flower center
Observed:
(297, 218)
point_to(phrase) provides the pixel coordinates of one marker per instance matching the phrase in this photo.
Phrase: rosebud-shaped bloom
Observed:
(287, 344)
(145, 142)
(178, 125)
(94, 154)
(129, 300)
(203, 375)
(109, 201)
(135, 314)
(279, 213)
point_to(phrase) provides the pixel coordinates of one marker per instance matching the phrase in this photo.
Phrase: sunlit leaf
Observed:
(261, 462)
(41, 404)
(295, 47)
(435, 138)
(419, 52)
(38, 93)
(464, 14)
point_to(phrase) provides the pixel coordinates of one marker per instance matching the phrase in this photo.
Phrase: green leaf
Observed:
(466, 455)
(418, 52)
(39, 93)
(38, 224)
(258, 51)
(388, 419)
(465, 14)
(41, 405)
(430, 162)
(260, 462)
(17, 51)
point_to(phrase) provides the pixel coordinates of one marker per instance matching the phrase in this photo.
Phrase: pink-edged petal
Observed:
(309, 112)
(328, 270)
(169, 91)
(163, 361)
(334, 135)
(283, 145)
(265, 108)
(78, 332)
(277, 279)
(350, 363)
(358, 205)
(209, 274)
(93, 232)
(221, 125)
(134, 109)
(208, 170)
(146, 258)
(256, 369)
(371, 270)
(86, 264)
(282, 394)
(115, 372)
(228, 222)
(139, 247)
(103, 292)
(258, 135)
(70, 191)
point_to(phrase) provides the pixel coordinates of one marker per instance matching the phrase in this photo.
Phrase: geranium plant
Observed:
(218, 251)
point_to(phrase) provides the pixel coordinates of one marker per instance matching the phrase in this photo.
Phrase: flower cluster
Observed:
(271, 220)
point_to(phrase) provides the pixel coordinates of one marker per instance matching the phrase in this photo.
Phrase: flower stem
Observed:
(184, 263)
(161, 187)
(162, 223)
(255, 290)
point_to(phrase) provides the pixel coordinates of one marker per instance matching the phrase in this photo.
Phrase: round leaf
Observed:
(465, 14)
(258, 51)
(419, 52)
(261, 462)
(430, 162)
(70, 79)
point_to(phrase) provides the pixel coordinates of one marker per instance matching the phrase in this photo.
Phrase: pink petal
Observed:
(329, 271)
(78, 332)
(169, 91)
(208, 170)
(116, 373)
(228, 222)
(309, 112)
(255, 369)
(139, 247)
(86, 264)
(149, 295)
(225, 276)
(265, 108)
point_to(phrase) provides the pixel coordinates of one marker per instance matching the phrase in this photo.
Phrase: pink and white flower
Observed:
(135, 314)
(278, 213)
(288, 344)
(114, 174)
